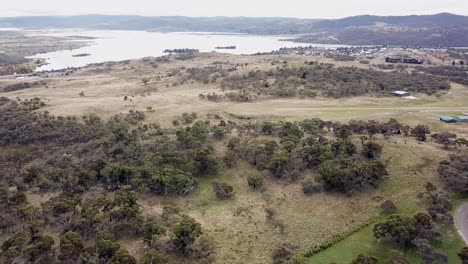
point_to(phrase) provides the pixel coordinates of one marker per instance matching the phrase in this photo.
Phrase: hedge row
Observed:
(337, 238)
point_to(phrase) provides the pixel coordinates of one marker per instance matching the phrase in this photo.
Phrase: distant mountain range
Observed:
(446, 30)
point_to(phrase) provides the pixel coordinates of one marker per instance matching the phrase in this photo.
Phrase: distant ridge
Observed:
(439, 30)
(441, 20)
(248, 25)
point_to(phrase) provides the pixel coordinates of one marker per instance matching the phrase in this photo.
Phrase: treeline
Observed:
(315, 79)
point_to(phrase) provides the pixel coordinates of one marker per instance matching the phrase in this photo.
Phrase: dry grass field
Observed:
(104, 89)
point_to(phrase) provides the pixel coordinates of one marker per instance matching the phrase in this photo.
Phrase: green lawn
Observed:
(364, 242)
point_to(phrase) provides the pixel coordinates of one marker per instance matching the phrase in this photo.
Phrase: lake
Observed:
(117, 45)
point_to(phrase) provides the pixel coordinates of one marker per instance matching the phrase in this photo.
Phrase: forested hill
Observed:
(428, 30)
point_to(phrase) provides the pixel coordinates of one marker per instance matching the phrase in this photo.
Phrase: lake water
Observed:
(116, 45)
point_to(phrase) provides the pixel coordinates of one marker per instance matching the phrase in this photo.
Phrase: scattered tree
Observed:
(420, 132)
(255, 182)
(185, 233)
(71, 247)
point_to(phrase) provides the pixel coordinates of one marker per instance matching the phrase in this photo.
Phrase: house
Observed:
(401, 93)
(392, 59)
(413, 60)
(398, 59)
(448, 119)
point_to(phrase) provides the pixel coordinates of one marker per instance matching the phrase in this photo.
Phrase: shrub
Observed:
(153, 257)
(420, 132)
(309, 186)
(388, 207)
(185, 233)
(219, 133)
(270, 214)
(282, 253)
(371, 150)
(230, 159)
(255, 182)
(223, 191)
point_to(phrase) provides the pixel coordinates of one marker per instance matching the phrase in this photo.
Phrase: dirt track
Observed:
(461, 221)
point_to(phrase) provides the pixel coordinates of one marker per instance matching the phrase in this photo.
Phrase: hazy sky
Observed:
(284, 8)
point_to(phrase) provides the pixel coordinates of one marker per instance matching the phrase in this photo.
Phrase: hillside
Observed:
(122, 156)
(430, 30)
(437, 20)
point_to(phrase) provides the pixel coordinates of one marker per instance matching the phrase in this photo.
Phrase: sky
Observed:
(252, 8)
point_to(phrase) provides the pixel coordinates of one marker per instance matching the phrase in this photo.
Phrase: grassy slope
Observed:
(243, 235)
(418, 169)
(364, 242)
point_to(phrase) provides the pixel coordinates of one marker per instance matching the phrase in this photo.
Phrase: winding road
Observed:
(461, 221)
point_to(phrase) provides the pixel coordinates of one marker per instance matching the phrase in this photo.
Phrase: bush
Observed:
(223, 191)
(255, 182)
(153, 257)
(185, 233)
(371, 150)
(219, 133)
(309, 186)
(270, 214)
(230, 159)
(388, 207)
(282, 253)
(420, 132)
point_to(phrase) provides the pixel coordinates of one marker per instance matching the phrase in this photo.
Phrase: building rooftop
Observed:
(400, 92)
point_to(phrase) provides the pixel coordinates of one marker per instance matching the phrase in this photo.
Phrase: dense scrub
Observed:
(329, 81)
(73, 155)
(294, 148)
(454, 173)
(451, 73)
